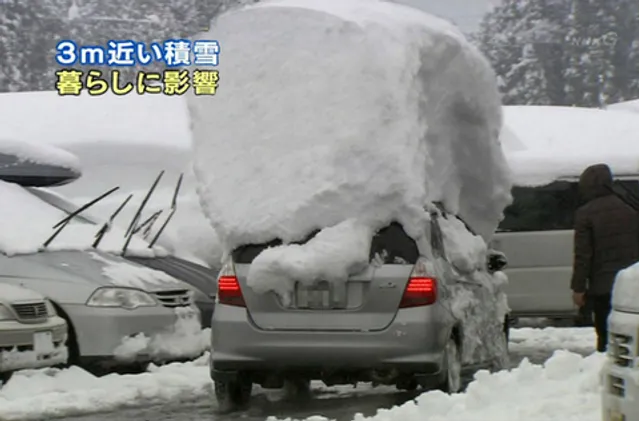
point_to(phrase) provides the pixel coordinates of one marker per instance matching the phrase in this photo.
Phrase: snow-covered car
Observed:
(119, 313)
(620, 391)
(354, 237)
(395, 323)
(32, 335)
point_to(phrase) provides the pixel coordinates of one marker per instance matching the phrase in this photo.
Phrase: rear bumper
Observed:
(411, 344)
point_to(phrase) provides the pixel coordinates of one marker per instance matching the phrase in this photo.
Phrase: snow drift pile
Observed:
(625, 294)
(343, 116)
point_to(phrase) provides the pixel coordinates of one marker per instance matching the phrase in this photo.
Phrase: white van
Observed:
(537, 236)
(620, 374)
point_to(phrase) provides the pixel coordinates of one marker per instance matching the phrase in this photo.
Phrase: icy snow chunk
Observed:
(625, 292)
(332, 255)
(369, 112)
(185, 339)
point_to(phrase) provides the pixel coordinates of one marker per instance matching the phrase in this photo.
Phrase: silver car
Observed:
(31, 333)
(120, 315)
(392, 324)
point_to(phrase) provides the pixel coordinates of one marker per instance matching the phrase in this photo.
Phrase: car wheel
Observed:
(297, 388)
(232, 395)
(453, 368)
(4, 377)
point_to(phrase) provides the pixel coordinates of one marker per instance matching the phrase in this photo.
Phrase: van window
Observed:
(247, 253)
(394, 246)
(545, 208)
(628, 190)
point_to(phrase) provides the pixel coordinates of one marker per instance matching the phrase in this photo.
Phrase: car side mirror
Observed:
(496, 261)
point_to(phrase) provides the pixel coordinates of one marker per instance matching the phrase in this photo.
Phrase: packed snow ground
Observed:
(565, 388)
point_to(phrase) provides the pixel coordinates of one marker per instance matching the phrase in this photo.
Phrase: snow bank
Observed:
(185, 339)
(26, 222)
(383, 110)
(544, 143)
(580, 340)
(565, 388)
(632, 106)
(44, 394)
(38, 153)
(625, 293)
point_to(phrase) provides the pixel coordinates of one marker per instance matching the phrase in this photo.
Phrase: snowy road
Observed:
(182, 392)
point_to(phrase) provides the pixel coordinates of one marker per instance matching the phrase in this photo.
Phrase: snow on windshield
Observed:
(37, 153)
(26, 222)
(569, 140)
(371, 111)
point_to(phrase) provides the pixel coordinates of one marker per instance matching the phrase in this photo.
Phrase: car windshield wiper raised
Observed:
(65, 221)
(107, 225)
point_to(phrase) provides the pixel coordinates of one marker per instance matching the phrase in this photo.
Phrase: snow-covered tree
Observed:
(563, 52)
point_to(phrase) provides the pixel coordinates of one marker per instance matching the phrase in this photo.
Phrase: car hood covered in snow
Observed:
(369, 113)
(14, 294)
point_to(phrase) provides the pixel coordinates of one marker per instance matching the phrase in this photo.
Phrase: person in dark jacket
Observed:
(606, 241)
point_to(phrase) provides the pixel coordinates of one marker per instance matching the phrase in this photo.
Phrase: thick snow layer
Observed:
(544, 143)
(38, 153)
(632, 106)
(185, 339)
(580, 340)
(47, 118)
(332, 255)
(625, 293)
(26, 222)
(371, 111)
(565, 389)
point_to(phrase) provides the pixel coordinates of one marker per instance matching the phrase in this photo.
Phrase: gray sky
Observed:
(465, 13)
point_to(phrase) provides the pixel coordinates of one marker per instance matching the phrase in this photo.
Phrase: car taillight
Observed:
(229, 291)
(419, 292)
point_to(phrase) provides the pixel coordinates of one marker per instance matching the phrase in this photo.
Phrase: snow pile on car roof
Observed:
(329, 112)
(544, 143)
(39, 154)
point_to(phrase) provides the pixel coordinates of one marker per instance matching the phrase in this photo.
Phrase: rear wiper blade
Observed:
(107, 225)
(65, 221)
(173, 209)
(131, 230)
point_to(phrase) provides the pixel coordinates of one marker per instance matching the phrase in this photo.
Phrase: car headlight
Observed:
(51, 311)
(6, 314)
(127, 298)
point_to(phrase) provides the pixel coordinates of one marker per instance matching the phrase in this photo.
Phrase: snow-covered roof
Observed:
(46, 117)
(543, 143)
(632, 105)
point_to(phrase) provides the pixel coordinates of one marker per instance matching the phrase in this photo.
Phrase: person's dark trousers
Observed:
(601, 310)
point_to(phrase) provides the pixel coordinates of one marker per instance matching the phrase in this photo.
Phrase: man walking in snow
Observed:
(606, 241)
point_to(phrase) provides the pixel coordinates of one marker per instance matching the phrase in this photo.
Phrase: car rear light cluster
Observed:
(229, 291)
(421, 289)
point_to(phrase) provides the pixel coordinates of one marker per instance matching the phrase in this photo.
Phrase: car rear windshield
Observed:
(392, 245)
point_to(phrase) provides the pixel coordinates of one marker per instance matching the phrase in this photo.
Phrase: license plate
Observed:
(316, 297)
(43, 342)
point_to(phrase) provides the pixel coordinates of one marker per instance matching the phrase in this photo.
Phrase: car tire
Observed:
(452, 382)
(297, 388)
(4, 377)
(232, 395)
